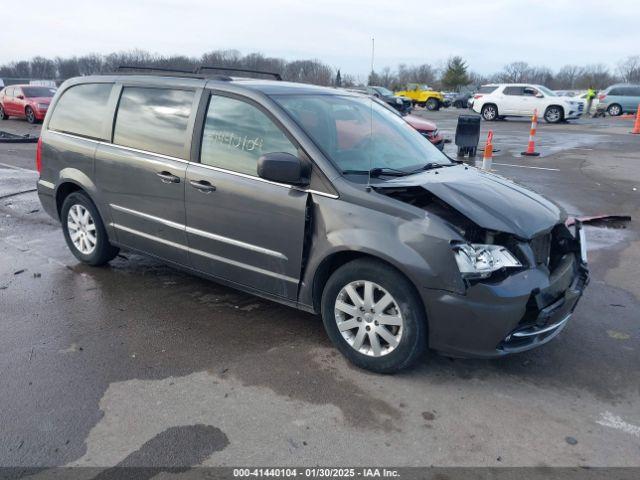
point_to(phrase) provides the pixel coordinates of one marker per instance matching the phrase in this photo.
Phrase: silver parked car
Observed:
(313, 197)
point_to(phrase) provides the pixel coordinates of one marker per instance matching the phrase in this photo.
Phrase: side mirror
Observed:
(283, 168)
(20, 97)
(539, 95)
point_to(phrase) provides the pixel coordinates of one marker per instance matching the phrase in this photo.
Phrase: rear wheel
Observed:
(84, 230)
(489, 112)
(432, 104)
(31, 116)
(614, 110)
(373, 315)
(3, 115)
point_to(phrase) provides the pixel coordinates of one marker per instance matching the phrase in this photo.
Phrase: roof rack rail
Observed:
(136, 69)
(277, 76)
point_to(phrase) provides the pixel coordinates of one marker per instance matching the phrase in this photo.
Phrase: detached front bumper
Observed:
(520, 312)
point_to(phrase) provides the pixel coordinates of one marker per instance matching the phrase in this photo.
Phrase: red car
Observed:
(28, 101)
(427, 129)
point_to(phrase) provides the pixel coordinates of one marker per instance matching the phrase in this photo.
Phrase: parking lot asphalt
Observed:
(138, 363)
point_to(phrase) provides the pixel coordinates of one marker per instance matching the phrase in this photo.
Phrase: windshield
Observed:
(38, 91)
(384, 91)
(547, 92)
(359, 135)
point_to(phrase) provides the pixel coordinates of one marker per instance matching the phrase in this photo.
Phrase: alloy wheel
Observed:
(368, 317)
(30, 116)
(82, 229)
(489, 113)
(615, 110)
(553, 115)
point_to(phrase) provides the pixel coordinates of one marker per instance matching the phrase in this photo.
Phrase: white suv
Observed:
(520, 99)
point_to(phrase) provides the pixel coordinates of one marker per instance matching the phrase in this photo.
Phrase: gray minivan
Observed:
(316, 198)
(619, 99)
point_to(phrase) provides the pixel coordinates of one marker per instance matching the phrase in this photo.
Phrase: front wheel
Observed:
(3, 115)
(84, 231)
(614, 110)
(553, 114)
(433, 104)
(373, 315)
(31, 116)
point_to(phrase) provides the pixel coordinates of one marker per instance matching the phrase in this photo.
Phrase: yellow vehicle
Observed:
(423, 95)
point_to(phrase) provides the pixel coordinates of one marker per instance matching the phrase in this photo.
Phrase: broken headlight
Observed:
(479, 261)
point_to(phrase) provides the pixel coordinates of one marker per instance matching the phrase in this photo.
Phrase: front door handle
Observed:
(168, 177)
(202, 185)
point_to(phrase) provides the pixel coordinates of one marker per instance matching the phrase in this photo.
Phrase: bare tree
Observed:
(516, 72)
(629, 69)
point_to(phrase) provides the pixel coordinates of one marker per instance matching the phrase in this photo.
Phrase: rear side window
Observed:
(154, 119)
(236, 134)
(487, 89)
(513, 90)
(616, 91)
(634, 91)
(83, 110)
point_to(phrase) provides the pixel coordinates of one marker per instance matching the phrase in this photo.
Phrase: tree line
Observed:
(454, 74)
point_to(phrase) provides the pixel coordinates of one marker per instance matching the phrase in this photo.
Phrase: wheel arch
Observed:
(73, 180)
(555, 105)
(336, 259)
(487, 104)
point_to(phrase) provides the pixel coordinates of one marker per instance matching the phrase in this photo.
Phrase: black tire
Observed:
(553, 114)
(30, 115)
(489, 112)
(103, 251)
(3, 115)
(413, 339)
(432, 104)
(614, 110)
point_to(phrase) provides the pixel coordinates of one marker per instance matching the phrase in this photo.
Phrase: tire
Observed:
(97, 252)
(432, 104)
(3, 115)
(404, 313)
(553, 114)
(614, 110)
(489, 112)
(30, 115)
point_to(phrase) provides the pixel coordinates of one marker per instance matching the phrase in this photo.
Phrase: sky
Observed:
(487, 33)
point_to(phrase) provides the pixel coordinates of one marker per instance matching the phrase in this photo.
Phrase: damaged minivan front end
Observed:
(521, 269)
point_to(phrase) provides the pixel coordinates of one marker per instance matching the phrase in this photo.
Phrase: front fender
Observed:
(419, 247)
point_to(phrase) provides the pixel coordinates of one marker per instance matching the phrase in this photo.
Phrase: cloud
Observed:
(488, 34)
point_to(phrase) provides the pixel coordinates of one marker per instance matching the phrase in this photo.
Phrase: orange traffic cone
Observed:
(487, 157)
(531, 149)
(636, 126)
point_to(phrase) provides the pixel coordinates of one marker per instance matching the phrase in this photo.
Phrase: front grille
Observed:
(541, 246)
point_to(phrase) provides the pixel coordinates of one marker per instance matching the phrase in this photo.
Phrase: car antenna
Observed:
(373, 47)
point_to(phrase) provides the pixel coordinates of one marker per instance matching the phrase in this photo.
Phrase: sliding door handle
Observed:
(202, 185)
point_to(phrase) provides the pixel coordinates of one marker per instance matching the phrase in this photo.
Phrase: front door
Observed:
(240, 227)
(142, 174)
(532, 102)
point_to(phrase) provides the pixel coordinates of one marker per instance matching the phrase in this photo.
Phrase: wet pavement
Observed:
(140, 364)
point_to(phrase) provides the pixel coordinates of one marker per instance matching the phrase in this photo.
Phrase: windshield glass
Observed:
(547, 92)
(384, 91)
(358, 134)
(38, 91)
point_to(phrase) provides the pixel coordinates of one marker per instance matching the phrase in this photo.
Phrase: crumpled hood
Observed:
(490, 201)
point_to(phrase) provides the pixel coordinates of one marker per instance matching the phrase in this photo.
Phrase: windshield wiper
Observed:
(431, 166)
(376, 172)
(394, 172)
